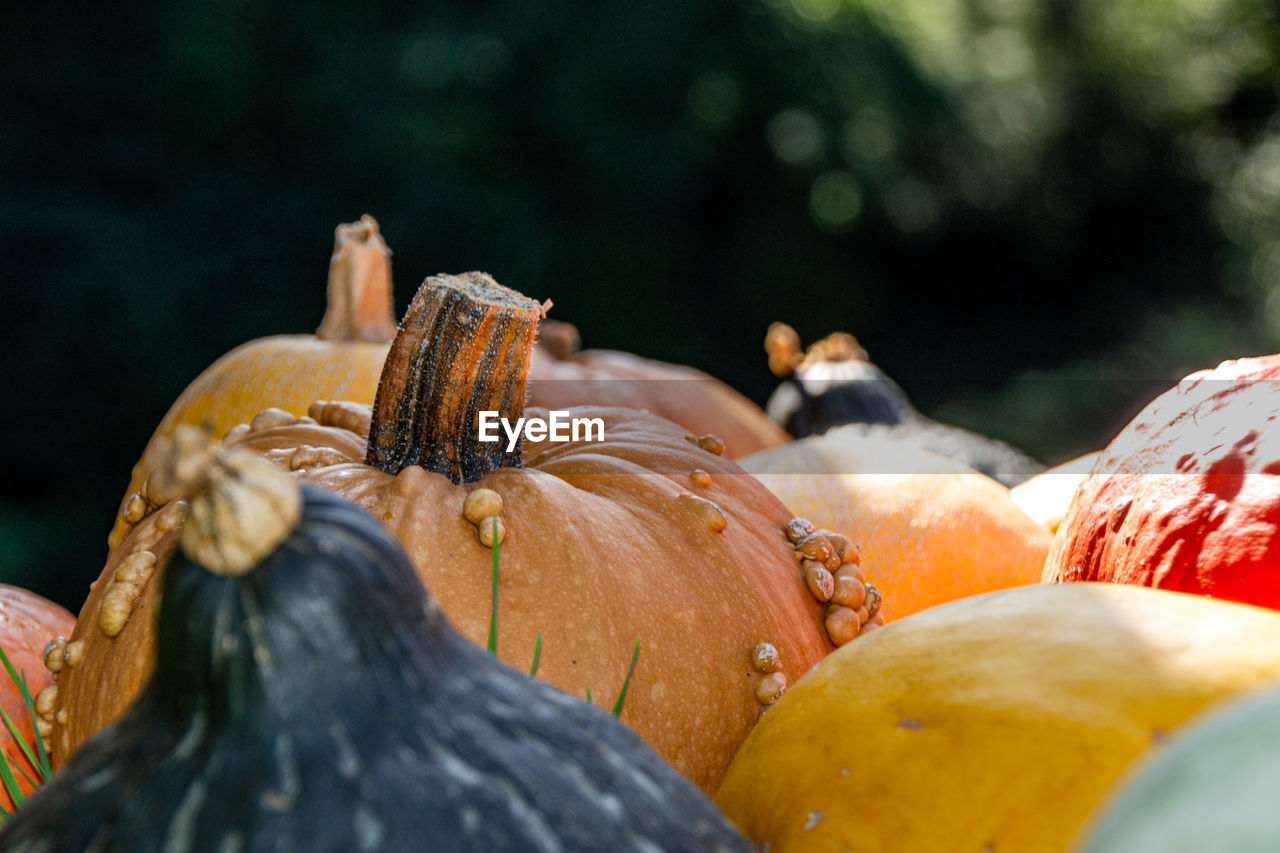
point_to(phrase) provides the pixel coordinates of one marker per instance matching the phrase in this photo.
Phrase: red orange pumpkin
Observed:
(1187, 496)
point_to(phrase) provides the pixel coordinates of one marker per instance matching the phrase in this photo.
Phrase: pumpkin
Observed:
(997, 722)
(1213, 788)
(834, 384)
(1047, 496)
(929, 529)
(342, 361)
(27, 621)
(561, 375)
(647, 535)
(280, 717)
(1185, 497)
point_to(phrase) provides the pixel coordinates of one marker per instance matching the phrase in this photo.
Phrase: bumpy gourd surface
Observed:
(930, 529)
(993, 723)
(647, 535)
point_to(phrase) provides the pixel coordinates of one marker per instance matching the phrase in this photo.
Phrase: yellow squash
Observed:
(993, 723)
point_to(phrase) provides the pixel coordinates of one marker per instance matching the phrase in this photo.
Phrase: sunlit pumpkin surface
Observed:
(993, 723)
(1186, 497)
(931, 530)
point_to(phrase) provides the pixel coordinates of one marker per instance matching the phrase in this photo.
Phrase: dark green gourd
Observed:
(315, 699)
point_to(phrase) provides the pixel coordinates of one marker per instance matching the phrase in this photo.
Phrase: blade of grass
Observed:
(10, 783)
(20, 680)
(537, 652)
(16, 734)
(588, 695)
(26, 775)
(493, 607)
(622, 694)
(41, 764)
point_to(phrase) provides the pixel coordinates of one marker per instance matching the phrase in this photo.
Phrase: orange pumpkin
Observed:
(649, 534)
(341, 361)
(27, 621)
(561, 375)
(930, 529)
(1186, 497)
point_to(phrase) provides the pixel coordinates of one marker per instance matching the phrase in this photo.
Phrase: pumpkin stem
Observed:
(463, 348)
(360, 307)
(240, 507)
(560, 339)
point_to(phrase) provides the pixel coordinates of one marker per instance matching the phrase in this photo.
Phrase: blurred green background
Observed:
(1034, 215)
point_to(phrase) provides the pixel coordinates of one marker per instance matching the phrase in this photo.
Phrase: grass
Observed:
(537, 645)
(38, 758)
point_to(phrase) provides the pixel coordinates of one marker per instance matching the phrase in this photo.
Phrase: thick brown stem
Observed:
(463, 348)
(360, 307)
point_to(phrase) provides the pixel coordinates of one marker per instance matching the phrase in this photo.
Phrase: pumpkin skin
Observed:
(646, 535)
(282, 718)
(27, 621)
(997, 722)
(1212, 789)
(1185, 498)
(930, 529)
(342, 361)
(561, 376)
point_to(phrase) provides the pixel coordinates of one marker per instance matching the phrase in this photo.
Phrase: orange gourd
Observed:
(649, 534)
(341, 361)
(930, 529)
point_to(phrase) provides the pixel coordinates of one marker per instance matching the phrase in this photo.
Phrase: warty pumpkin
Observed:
(27, 621)
(341, 361)
(563, 375)
(997, 722)
(929, 529)
(1186, 496)
(648, 535)
(283, 718)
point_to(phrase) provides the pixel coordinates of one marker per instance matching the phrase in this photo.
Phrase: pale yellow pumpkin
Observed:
(341, 361)
(993, 723)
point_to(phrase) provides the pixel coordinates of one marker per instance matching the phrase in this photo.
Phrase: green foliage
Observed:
(38, 758)
(537, 645)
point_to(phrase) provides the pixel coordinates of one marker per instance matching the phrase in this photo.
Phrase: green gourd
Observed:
(1213, 789)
